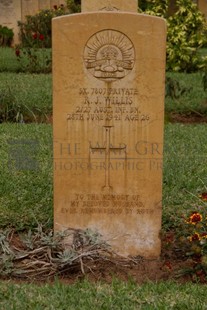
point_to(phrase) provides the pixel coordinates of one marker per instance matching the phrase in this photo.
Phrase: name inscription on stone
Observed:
(99, 104)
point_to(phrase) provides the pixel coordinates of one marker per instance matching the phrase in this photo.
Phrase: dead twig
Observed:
(45, 255)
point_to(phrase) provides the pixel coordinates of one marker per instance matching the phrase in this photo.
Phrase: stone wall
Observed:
(12, 11)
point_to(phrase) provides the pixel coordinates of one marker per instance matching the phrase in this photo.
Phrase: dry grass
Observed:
(40, 255)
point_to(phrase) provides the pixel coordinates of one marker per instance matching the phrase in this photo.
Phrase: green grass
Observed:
(185, 170)
(9, 61)
(202, 51)
(33, 92)
(26, 195)
(193, 100)
(25, 189)
(118, 295)
(27, 92)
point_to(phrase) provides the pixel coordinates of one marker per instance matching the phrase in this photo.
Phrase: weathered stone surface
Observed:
(44, 4)
(202, 5)
(108, 90)
(29, 7)
(57, 2)
(10, 12)
(108, 5)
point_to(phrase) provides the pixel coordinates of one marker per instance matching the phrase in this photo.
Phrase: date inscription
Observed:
(107, 104)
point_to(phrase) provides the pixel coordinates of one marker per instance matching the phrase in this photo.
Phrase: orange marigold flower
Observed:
(204, 235)
(168, 265)
(203, 196)
(195, 218)
(195, 237)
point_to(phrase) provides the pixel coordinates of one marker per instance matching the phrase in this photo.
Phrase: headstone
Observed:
(202, 5)
(10, 13)
(57, 2)
(29, 7)
(44, 4)
(108, 92)
(108, 5)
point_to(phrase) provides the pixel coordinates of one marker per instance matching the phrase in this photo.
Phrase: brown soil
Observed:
(105, 268)
(169, 266)
(187, 118)
(140, 272)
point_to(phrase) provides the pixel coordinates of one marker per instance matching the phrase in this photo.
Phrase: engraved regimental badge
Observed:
(109, 55)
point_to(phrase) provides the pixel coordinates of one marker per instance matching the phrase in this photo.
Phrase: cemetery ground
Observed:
(26, 201)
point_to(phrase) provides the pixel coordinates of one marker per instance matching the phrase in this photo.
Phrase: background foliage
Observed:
(6, 36)
(186, 33)
(37, 29)
(74, 6)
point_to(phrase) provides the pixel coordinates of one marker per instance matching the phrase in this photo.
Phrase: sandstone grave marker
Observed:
(109, 5)
(43, 5)
(108, 92)
(10, 12)
(29, 7)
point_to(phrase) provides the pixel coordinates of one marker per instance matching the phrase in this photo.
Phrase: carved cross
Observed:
(107, 150)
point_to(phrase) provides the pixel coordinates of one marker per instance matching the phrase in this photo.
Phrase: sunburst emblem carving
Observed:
(109, 55)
